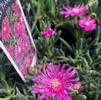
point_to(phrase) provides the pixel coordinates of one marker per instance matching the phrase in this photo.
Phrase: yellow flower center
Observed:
(55, 83)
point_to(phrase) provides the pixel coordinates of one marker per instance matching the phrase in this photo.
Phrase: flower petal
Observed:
(66, 95)
(73, 80)
(51, 67)
(67, 98)
(62, 68)
(58, 97)
(41, 97)
(70, 74)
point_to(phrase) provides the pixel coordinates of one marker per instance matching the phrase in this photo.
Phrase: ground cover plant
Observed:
(67, 35)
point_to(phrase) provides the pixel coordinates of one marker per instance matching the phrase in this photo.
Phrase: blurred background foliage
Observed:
(70, 45)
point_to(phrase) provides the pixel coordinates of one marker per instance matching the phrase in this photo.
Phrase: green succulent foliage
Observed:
(46, 45)
(84, 54)
(86, 57)
(80, 97)
(6, 92)
(20, 96)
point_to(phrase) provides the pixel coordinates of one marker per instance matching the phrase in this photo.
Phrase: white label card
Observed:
(15, 37)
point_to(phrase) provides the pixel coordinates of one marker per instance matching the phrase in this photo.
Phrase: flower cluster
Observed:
(85, 22)
(55, 81)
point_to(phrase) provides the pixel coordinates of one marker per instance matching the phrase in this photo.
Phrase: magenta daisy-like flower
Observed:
(87, 23)
(48, 32)
(74, 11)
(55, 81)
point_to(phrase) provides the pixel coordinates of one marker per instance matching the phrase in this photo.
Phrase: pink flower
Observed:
(31, 53)
(74, 11)
(23, 69)
(5, 29)
(10, 49)
(55, 81)
(21, 48)
(25, 65)
(48, 32)
(87, 23)
(15, 7)
(20, 18)
(18, 53)
(19, 29)
(24, 43)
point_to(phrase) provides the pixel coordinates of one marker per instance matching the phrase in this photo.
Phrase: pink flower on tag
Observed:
(19, 29)
(5, 29)
(21, 20)
(25, 65)
(48, 32)
(87, 23)
(51, 81)
(10, 49)
(18, 53)
(22, 48)
(31, 53)
(24, 43)
(15, 7)
(23, 69)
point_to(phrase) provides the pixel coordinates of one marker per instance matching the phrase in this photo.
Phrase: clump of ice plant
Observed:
(57, 81)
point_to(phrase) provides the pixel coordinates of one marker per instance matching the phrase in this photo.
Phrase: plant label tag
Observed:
(15, 37)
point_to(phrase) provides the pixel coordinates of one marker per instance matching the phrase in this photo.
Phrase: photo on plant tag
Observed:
(15, 37)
